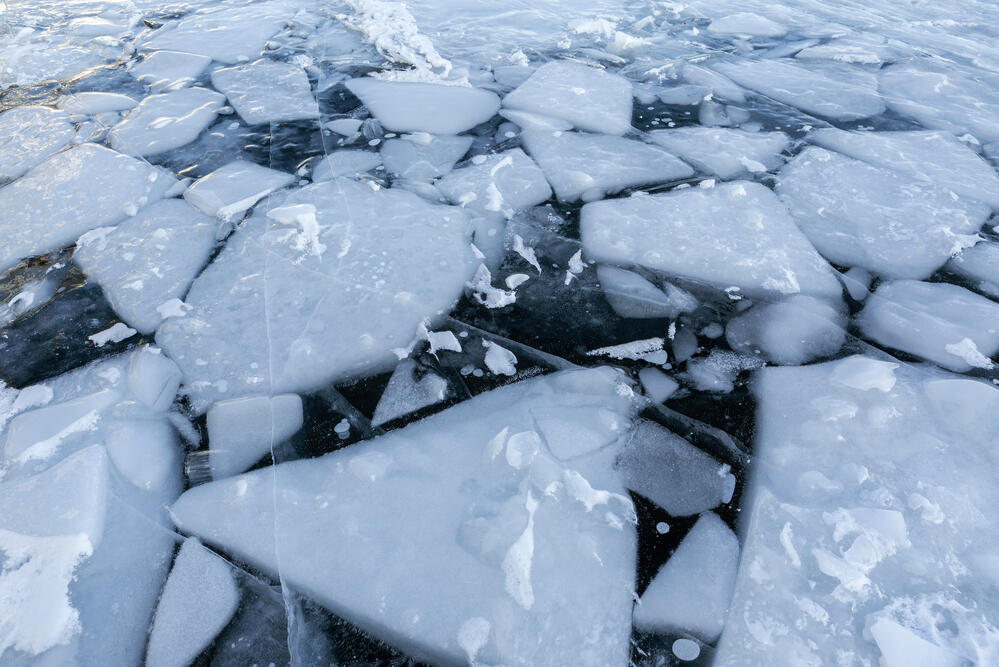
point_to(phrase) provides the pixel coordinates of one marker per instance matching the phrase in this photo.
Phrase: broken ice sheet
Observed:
(307, 264)
(30, 134)
(267, 91)
(166, 121)
(403, 106)
(531, 560)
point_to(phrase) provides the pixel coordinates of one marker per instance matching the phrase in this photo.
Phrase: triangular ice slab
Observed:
(459, 538)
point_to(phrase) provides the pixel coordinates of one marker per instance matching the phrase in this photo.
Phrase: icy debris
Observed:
(425, 107)
(489, 296)
(423, 157)
(114, 334)
(671, 472)
(234, 188)
(345, 163)
(858, 497)
(228, 35)
(498, 185)
(838, 94)
(168, 70)
(148, 259)
(734, 234)
(947, 97)
(591, 99)
(933, 157)
(718, 371)
(890, 224)
(793, 331)
(267, 91)
(199, 598)
(631, 295)
(71, 193)
(857, 282)
(944, 323)
(85, 502)
(310, 263)
(477, 509)
(657, 385)
(499, 360)
(588, 166)
(725, 152)
(94, 104)
(684, 95)
(408, 391)
(746, 24)
(692, 591)
(28, 135)
(164, 122)
(980, 264)
(529, 121)
(241, 431)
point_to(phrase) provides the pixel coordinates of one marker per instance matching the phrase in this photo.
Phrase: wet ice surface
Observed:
(451, 332)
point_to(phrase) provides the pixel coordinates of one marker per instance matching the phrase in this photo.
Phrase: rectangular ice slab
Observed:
(228, 35)
(241, 431)
(423, 157)
(235, 187)
(875, 218)
(588, 166)
(71, 193)
(163, 122)
(28, 135)
(403, 106)
(322, 283)
(169, 70)
(725, 152)
(941, 322)
(463, 537)
(830, 92)
(870, 523)
(267, 91)
(148, 259)
(736, 234)
(933, 157)
(591, 99)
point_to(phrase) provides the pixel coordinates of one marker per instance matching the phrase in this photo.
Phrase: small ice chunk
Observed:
(857, 282)
(834, 93)
(535, 121)
(891, 224)
(500, 360)
(234, 187)
(168, 70)
(725, 152)
(199, 598)
(657, 385)
(153, 378)
(979, 264)
(590, 165)
(114, 334)
(901, 647)
(267, 91)
(693, 590)
(591, 99)
(241, 431)
(671, 472)
(734, 234)
(684, 95)
(28, 135)
(932, 321)
(345, 163)
(721, 86)
(408, 391)
(162, 247)
(500, 184)
(167, 121)
(686, 649)
(718, 371)
(345, 126)
(70, 193)
(93, 104)
(631, 295)
(406, 157)
(746, 24)
(403, 106)
(794, 331)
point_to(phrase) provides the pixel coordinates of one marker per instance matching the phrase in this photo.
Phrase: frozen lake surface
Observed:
(448, 332)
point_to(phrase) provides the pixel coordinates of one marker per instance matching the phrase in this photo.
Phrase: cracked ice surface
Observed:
(548, 333)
